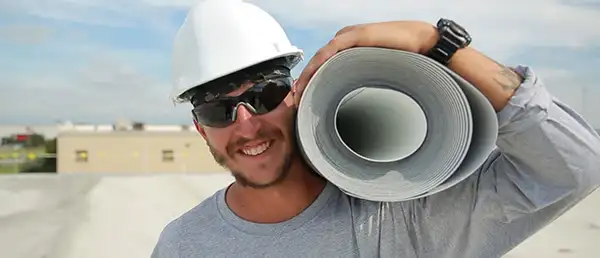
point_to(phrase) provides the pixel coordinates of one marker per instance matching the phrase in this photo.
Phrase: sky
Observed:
(98, 61)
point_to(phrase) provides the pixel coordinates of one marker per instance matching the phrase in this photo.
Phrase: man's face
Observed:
(257, 149)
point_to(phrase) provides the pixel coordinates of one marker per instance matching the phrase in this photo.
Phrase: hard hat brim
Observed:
(177, 96)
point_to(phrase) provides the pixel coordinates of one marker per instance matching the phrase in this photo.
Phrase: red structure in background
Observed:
(22, 137)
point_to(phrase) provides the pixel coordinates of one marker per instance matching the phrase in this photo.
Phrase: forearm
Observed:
(494, 80)
(536, 130)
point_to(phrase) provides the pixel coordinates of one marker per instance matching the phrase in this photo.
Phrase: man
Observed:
(548, 158)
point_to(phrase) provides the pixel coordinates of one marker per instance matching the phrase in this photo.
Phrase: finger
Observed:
(294, 83)
(339, 43)
(346, 29)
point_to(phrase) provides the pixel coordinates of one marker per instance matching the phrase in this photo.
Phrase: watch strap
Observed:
(452, 37)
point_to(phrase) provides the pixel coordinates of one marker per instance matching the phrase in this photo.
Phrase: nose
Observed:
(247, 125)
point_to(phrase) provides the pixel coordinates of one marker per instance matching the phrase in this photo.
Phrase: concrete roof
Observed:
(99, 215)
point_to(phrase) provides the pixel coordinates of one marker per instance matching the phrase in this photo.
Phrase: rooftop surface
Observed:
(121, 216)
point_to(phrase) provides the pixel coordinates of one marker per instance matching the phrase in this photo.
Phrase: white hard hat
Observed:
(220, 37)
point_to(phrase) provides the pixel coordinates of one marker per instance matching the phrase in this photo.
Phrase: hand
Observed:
(412, 36)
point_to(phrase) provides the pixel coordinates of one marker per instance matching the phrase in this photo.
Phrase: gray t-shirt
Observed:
(547, 160)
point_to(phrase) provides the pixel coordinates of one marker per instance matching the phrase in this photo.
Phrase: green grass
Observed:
(6, 153)
(8, 169)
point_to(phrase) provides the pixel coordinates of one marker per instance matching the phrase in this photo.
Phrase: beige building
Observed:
(133, 152)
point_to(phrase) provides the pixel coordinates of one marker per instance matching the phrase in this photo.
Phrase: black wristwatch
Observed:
(452, 38)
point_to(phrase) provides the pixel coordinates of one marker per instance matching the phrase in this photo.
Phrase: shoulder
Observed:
(202, 216)
(195, 222)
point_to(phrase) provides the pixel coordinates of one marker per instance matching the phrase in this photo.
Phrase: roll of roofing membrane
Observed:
(390, 125)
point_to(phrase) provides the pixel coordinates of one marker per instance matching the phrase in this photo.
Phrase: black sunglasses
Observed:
(216, 110)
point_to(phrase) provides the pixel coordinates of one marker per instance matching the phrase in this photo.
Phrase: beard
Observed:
(282, 171)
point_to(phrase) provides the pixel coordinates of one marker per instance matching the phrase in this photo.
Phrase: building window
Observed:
(168, 156)
(81, 156)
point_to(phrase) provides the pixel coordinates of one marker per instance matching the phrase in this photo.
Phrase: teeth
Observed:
(256, 150)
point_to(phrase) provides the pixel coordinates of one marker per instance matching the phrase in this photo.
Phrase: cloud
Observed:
(78, 11)
(124, 13)
(25, 34)
(497, 26)
(99, 60)
(88, 61)
(577, 89)
(102, 90)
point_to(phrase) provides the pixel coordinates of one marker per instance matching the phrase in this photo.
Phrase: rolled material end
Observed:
(390, 125)
(380, 125)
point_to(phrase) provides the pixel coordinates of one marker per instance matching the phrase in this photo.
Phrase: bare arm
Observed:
(494, 80)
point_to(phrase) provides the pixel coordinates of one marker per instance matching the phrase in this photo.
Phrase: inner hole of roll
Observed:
(380, 125)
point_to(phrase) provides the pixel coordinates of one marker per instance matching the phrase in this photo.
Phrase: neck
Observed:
(280, 202)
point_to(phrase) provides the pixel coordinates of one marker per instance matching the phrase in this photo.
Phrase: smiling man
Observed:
(233, 62)
(259, 153)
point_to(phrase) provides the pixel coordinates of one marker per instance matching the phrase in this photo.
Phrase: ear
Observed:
(200, 129)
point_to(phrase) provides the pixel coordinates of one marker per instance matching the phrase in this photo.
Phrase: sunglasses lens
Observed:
(263, 97)
(274, 94)
(271, 95)
(213, 114)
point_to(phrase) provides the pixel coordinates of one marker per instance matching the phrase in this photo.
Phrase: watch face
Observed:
(454, 32)
(458, 29)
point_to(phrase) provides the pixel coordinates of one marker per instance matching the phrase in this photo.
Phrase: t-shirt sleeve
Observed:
(547, 160)
(165, 246)
(546, 153)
